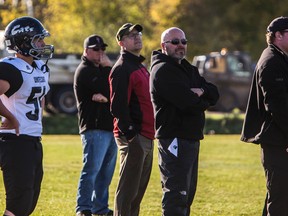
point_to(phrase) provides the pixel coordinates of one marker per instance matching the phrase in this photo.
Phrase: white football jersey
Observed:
(25, 103)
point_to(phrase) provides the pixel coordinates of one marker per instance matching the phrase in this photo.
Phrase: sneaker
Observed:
(84, 213)
(109, 213)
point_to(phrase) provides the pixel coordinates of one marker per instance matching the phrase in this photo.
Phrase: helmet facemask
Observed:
(45, 52)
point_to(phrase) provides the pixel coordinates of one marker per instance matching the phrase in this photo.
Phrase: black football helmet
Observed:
(21, 36)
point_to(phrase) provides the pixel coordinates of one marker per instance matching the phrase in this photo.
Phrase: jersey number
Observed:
(34, 114)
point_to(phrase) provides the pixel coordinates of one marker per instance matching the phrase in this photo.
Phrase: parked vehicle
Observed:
(60, 98)
(232, 73)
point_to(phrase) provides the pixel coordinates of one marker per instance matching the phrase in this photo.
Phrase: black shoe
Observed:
(109, 213)
(84, 213)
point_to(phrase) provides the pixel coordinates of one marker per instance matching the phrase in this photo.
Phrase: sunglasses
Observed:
(177, 41)
(99, 48)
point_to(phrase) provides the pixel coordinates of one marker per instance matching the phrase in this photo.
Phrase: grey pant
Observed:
(136, 157)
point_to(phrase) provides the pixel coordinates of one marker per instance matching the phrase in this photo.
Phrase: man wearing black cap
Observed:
(133, 121)
(91, 89)
(267, 116)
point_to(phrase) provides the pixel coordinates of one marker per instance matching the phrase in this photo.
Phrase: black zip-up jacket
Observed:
(267, 110)
(130, 98)
(89, 80)
(178, 111)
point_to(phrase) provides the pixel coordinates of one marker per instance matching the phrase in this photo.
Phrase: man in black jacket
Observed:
(91, 88)
(267, 116)
(179, 96)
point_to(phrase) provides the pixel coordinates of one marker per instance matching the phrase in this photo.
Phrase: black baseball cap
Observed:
(278, 24)
(126, 29)
(94, 41)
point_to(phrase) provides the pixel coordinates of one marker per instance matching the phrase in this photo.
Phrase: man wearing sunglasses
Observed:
(133, 121)
(91, 89)
(180, 97)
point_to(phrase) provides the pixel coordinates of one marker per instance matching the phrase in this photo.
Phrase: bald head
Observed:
(168, 32)
(174, 43)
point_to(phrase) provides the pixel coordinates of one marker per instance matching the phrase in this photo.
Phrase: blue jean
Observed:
(99, 159)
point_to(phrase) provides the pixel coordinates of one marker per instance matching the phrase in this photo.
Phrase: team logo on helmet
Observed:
(18, 29)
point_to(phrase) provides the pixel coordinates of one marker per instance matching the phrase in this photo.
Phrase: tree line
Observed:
(210, 25)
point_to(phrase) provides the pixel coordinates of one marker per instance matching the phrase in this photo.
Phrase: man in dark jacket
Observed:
(133, 121)
(91, 88)
(179, 96)
(267, 116)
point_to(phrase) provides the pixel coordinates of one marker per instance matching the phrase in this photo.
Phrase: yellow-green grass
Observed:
(231, 179)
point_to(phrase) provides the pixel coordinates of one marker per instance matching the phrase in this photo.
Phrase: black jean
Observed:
(275, 163)
(178, 163)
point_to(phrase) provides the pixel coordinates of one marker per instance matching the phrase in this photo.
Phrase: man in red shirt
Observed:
(133, 120)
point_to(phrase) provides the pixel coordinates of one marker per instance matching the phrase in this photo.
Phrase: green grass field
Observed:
(231, 179)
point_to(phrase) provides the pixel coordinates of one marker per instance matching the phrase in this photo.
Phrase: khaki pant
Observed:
(136, 157)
